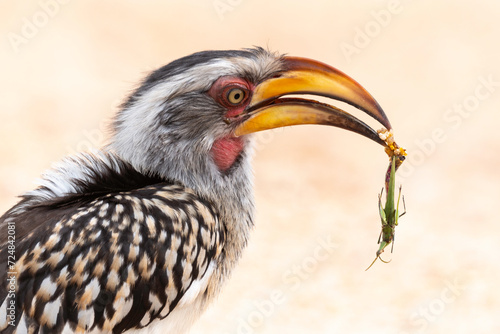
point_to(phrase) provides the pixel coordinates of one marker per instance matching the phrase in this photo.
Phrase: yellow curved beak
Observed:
(268, 110)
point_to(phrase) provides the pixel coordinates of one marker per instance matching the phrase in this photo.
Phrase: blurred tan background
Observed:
(432, 65)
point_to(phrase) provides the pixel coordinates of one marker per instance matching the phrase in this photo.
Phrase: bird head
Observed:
(192, 120)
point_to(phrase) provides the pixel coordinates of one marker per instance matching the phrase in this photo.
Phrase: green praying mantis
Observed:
(389, 214)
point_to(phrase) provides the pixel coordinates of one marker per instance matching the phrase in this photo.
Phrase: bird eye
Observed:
(235, 96)
(231, 93)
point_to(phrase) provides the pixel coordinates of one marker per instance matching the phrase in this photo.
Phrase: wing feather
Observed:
(117, 262)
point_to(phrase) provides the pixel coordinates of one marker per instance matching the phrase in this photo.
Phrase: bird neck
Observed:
(235, 204)
(221, 174)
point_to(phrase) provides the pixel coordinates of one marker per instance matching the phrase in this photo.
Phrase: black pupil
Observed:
(237, 96)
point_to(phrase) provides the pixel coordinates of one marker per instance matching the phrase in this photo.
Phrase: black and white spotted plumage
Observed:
(108, 261)
(139, 236)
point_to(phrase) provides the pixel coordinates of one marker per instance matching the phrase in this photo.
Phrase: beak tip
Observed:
(380, 115)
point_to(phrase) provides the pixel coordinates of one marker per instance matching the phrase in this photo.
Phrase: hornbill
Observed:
(139, 236)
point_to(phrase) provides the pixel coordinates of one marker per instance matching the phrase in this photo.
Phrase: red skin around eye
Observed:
(222, 86)
(226, 150)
